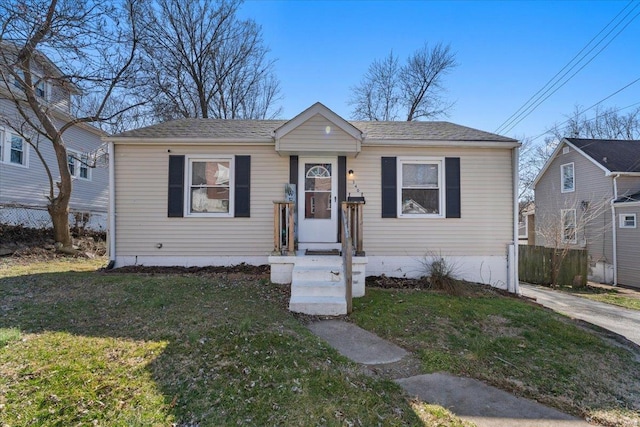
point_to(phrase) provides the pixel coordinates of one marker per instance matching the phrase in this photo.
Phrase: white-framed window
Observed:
(628, 220)
(421, 187)
(569, 222)
(78, 165)
(41, 87)
(16, 150)
(209, 182)
(2, 145)
(567, 178)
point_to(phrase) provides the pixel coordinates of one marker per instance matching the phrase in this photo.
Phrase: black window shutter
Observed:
(389, 188)
(452, 178)
(242, 188)
(176, 186)
(342, 188)
(293, 173)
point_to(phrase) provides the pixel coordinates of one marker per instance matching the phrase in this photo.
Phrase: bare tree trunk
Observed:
(60, 217)
(59, 205)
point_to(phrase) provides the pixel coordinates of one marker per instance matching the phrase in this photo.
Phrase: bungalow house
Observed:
(195, 192)
(24, 180)
(587, 195)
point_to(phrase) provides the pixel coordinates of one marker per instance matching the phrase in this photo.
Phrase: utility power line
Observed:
(543, 93)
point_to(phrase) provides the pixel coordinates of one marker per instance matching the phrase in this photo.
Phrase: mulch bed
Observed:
(240, 268)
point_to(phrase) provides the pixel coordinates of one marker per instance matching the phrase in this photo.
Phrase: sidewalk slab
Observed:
(474, 401)
(357, 344)
(470, 399)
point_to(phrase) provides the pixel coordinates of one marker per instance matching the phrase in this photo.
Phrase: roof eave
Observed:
(184, 140)
(440, 143)
(612, 173)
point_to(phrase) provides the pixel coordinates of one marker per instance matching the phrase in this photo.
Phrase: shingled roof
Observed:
(613, 154)
(215, 129)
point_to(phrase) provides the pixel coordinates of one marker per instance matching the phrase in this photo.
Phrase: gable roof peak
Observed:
(324, 111)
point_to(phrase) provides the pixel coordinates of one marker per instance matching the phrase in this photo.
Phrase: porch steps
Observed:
(318, 286)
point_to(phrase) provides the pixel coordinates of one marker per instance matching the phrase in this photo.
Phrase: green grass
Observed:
(609, 296)
(143, 349)
(512, 345)
(80, 347)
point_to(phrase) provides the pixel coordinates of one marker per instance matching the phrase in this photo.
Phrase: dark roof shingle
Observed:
(263, 129)
(613, 154)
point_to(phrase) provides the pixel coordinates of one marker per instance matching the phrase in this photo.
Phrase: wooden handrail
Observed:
(347, 256)
(353, 212)
(283, 228)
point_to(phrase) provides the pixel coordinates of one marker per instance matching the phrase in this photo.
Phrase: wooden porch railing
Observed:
(283, 228)
(351, 233)
(352, 212)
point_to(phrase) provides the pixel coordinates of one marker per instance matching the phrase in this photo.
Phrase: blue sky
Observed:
(506, 51)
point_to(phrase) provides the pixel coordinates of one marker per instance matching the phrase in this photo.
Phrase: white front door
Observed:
(317, 200)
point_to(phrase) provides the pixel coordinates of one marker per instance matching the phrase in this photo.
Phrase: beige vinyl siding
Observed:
(141, 186)
(312, 137)
(486, 225)
(628, 185)
(30, 185)
(628, 241)
(592, 186)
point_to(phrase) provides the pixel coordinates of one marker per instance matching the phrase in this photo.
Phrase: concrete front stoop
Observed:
(317, 282)
(318, 286)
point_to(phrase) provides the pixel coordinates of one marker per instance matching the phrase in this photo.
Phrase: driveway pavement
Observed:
(622, 321)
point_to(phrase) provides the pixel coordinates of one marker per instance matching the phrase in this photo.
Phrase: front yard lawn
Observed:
(114, 349)
(80, 347)
(511, 344)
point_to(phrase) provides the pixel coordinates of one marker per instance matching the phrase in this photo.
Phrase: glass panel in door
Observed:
(317, 190)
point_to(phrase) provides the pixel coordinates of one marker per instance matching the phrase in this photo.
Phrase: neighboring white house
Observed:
(589, 190)
(24, 183)
(431, 188)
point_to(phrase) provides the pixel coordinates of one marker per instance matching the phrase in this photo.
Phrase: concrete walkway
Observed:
(469, 399)
(620, 320)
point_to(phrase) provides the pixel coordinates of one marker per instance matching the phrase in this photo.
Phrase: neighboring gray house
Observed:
(588, 196)
(24, 184)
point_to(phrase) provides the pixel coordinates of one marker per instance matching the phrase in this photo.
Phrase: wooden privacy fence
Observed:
(536, 264)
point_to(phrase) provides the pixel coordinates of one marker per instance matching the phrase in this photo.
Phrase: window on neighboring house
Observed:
(567, 174)
(16, 81)
(84, 166)
(17, 151)
(72, 164)
(78, 164)
(568, 225)
(2, 144)
(420, 182)
(41, 89)
(209, 183)
(627, 220)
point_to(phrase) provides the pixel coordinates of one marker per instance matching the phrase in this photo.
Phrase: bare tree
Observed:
(606, 124)
(377, 97)
(414, 90)
(570, 224)
(201, 60)
(79, 47)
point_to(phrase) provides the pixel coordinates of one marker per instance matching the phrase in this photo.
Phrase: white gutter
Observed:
(112, 206)
(614, 235)
(514, 268)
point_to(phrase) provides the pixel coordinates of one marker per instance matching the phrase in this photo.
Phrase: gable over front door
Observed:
(317, 200)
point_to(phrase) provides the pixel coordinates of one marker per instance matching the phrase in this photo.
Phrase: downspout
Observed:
(112, 207)
(515, 285)
(614, 236)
